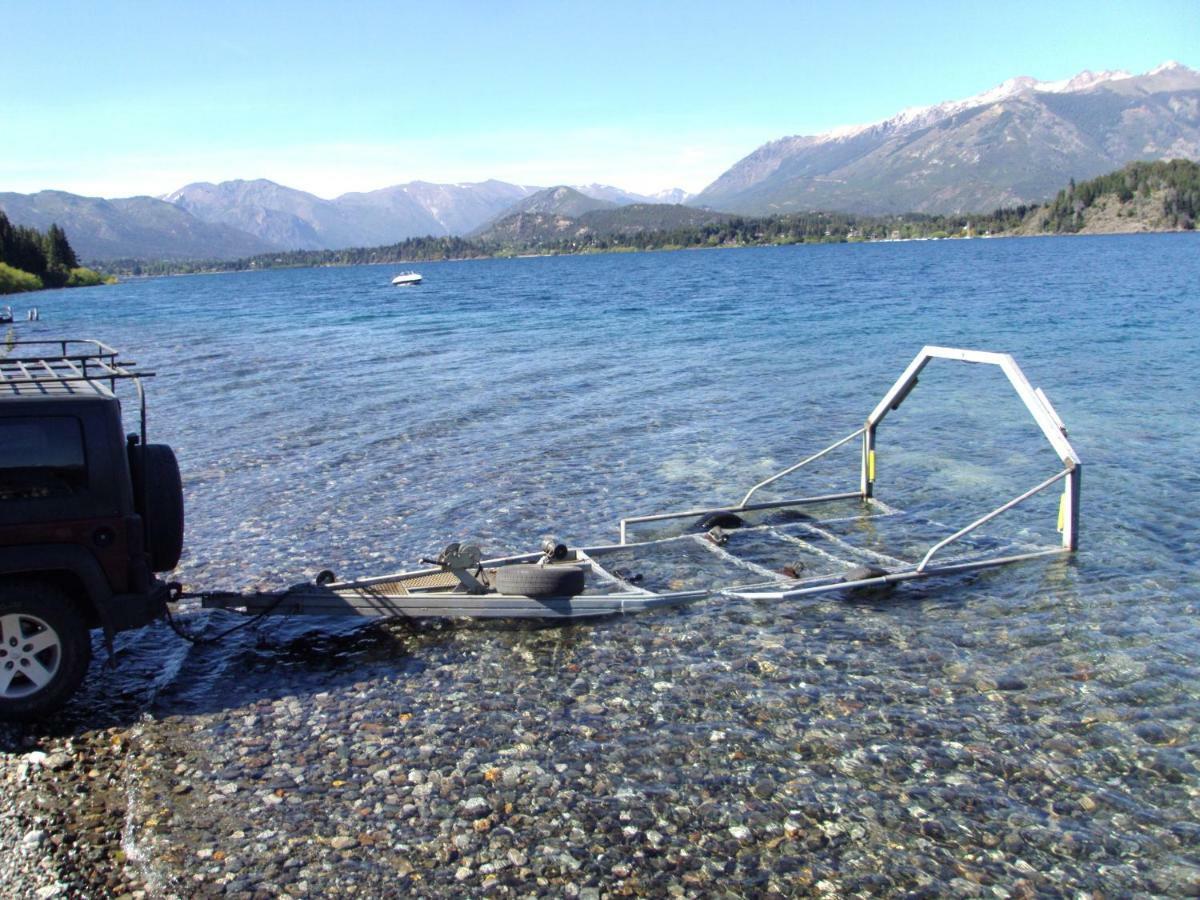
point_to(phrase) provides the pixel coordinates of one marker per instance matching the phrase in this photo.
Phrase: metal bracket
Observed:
(461, 559)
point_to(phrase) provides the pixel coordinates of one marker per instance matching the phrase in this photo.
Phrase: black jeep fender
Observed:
(80, 574)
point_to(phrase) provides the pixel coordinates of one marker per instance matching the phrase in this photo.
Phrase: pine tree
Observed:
(26, 252)
(58, 250)
(6, 236)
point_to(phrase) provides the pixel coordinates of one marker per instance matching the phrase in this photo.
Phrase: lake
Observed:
(1031, 729)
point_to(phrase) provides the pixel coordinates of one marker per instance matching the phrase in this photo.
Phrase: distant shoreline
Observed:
(233, 269)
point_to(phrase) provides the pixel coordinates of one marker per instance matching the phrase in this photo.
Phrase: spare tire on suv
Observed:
(158, 498)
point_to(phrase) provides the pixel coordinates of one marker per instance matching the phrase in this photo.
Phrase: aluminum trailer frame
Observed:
(377, 597)
(1034, 399)
(420, 593)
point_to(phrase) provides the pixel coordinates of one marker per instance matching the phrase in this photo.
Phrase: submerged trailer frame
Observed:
(437, 592)
(1034, 399)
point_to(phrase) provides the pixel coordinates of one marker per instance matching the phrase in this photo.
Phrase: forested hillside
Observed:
(1160, 196)
(31, 260)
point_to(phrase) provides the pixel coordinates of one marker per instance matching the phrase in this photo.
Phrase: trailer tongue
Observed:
(753, 550)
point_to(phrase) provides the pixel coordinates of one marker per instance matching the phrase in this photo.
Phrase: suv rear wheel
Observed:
(45, 648)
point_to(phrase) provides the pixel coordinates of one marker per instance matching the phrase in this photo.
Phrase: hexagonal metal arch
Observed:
(1035, 401)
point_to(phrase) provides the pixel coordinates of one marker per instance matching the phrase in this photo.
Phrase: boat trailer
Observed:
(753, 549)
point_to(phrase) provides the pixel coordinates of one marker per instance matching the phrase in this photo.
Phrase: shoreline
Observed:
(230, 270)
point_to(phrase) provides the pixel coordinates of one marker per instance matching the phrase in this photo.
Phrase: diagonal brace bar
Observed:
(984, 519)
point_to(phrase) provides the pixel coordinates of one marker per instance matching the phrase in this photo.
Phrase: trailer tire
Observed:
(42, 630)
(540, 582)
(860, 573)
(720, 520)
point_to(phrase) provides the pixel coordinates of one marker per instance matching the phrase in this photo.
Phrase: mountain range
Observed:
(558, 202)
(242, 218)
(559, 216)
(142, 227)
(1016, 143)
(295, 220)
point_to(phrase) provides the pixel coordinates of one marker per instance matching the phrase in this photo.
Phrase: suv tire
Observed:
(157, 486)
(45, 648)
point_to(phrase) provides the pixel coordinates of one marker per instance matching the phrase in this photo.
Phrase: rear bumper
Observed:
(127, 611)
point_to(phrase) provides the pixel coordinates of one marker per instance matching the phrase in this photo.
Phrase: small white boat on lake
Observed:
(407, 278)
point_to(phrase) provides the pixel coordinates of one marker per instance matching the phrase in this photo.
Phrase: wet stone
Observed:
(57, 761)
(1154, 733)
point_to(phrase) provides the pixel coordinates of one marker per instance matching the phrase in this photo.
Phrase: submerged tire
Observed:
(540, 582)
(869, 591)
(859, 573)
(720, 520)
(45, 649)
(155, 467)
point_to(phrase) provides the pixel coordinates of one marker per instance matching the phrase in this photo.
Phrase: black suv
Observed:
(87, 516)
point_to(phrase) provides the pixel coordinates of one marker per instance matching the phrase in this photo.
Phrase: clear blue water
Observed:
(1044, 716)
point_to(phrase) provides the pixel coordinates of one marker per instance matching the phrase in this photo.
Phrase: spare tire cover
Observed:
(158, 496)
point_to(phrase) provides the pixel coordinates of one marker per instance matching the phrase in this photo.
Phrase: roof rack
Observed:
(67, 366)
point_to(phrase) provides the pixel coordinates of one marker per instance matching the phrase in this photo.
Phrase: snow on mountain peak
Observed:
(1085, 80)
(919, 116)
(1169, 66)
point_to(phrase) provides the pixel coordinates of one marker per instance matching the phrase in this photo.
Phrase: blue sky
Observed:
(123, 98)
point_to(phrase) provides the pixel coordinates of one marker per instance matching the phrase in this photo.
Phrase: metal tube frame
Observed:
(1035, 401)
(987, 518)
(804, 462)
(361, 596)
(708, 510)
(834, 583)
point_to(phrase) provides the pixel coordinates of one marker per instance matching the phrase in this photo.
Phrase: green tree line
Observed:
(807, 228)
(1177, 179)
(418, 249)
(31, 260)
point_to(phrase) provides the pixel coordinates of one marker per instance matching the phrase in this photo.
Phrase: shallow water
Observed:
(1028, 728)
